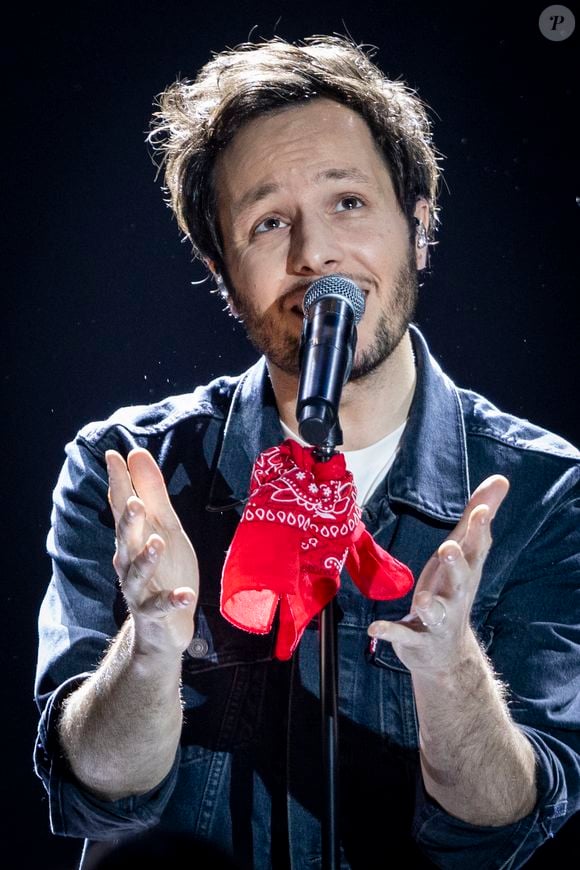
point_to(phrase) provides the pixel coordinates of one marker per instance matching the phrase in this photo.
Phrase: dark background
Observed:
(100, 306)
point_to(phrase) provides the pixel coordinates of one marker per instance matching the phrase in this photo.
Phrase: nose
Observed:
(314, 248)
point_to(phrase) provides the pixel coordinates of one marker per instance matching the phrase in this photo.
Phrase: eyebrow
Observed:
(261, 191)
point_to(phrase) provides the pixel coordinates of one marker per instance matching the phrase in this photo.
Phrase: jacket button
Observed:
(198, 648)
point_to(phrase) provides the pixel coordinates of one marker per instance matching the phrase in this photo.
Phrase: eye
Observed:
(269, 224)
(349, 203)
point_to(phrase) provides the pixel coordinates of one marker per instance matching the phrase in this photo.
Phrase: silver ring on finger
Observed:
(440, 619)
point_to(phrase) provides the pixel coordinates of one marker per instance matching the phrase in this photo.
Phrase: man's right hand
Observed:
(154, 559)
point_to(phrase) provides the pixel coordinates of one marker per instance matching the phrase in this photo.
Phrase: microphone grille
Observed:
(336, 285)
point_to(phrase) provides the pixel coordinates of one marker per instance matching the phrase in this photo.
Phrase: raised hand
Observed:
(154, 559)
(436, 634)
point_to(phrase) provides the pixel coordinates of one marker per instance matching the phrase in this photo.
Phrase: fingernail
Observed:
(152, 552)
(450, 555)
(377, 632)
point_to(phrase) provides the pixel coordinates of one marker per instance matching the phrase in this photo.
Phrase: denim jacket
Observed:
(247, 775)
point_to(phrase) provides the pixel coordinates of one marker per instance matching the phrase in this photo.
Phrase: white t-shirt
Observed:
(369, 465)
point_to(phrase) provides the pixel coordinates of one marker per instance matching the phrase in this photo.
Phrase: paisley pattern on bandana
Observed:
(299, 528)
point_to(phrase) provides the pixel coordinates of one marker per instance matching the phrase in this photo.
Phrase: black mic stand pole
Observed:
(329, 338)
(329, 703)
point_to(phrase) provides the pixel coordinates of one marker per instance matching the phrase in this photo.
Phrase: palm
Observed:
(178, 564)
(436, 628)
(177, 568)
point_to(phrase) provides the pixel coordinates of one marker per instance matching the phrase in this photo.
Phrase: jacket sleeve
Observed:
(81, 612)
(535, 650)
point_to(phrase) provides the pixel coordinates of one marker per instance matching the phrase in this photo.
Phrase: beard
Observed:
(271, 337)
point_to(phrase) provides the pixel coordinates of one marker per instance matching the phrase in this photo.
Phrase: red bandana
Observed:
(301, 524)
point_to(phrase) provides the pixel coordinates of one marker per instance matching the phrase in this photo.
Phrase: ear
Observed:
(225, 294)
(222, 288)
(422, 233)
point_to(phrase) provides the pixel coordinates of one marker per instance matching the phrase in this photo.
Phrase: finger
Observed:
(477, 541)
(490, 492)
(431, 610)
(142, 571)
(150, 486)
(167, 601)
(453, 563)
(129, 535)
(120, 486)
(450, 576)
(394, 632)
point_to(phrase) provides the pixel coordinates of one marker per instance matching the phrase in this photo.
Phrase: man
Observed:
(459, 723)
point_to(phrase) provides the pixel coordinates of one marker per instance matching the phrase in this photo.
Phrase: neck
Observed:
(370, 408)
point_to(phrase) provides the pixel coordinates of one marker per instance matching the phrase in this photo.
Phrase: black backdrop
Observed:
(101, 308)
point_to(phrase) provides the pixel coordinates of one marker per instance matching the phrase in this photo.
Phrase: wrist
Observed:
(466, 663)
(150, 655)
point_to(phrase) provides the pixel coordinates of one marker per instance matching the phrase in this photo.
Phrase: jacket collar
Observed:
(430, 473)
(252, 425)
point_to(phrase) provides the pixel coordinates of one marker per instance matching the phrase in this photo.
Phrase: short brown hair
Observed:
(197, 119)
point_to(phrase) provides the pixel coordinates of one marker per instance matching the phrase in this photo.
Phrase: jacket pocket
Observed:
(224, 679)
(398, 711)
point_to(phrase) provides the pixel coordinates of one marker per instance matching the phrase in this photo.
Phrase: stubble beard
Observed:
(281, 347)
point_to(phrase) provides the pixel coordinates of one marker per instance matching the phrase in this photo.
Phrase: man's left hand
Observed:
(436, 634)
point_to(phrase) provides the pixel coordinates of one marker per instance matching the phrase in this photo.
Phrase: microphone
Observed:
(333, 305)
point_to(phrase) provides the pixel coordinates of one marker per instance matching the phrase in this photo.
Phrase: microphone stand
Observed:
(328, 644)
(333, 305)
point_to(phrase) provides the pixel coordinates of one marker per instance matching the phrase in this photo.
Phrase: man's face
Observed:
(305, 193)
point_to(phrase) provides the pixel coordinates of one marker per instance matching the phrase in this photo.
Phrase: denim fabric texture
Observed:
(248, 772)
